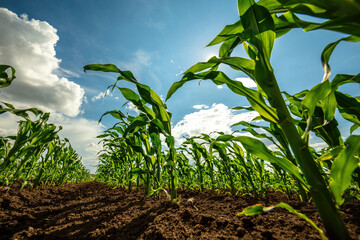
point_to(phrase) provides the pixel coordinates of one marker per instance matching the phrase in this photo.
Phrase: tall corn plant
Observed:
(260, 23)
(157, 118)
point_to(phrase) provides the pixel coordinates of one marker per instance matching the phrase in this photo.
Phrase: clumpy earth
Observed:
(93, 210)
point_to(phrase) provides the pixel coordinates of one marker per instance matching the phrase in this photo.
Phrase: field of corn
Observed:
(156, 181)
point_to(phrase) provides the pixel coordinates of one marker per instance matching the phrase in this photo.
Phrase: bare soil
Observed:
(93, 210)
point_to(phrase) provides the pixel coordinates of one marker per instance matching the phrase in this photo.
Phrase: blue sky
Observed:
(49, 42)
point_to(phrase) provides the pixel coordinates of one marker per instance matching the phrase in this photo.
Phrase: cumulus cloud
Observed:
(29, 46)
(101, 95)
(9, 124)
(132, 107)
(217, 118)
(247, 82)
(200, 106)
(82, 135)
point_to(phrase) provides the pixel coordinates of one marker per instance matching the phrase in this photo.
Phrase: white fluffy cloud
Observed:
(101, 95)
(200, 106)
(132, 107)
(29, 46)
(217, 118)
(247, 82)
(82, 135)
(9, 124)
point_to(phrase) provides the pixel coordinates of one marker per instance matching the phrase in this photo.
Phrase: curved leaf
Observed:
(254, 97)
(115, 113)
(343, 166)
(326, 53)
(5, 79)
(259, 209)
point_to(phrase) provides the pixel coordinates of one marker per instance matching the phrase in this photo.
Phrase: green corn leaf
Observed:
(170, 140)
(259, 135)
(354, 127)
(125, 75)
(159, 125)
(342, 79)
(343, 24)
(102, 68)
(330, 132)
(343, 15)
(284, 23)
(102, 136)
(19, 112)
(316, 94)
(238, 63)
(254, 97)
(349, 107)
(258, 149)
(259, 33)
(329, 105)
(258, 26)
(228, 46)
(5, 79)
(343, 166)
(128, 76)
(130, 95)
(149, 95)
(332, 154)
(243, 108)
(246, 124)
(321, 9)
(272, 5)
(322, 121)
(115, 113)
(259, 209)
(326, 53)
(201, 66)
(8, 105)
(228, 32)
(250, 50)
(224, 138)
(174, 87)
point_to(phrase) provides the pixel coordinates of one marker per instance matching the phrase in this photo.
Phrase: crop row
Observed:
(134, 152)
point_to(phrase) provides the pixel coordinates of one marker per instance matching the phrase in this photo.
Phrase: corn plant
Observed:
(259, 25)
(36, 154)
(155, 120)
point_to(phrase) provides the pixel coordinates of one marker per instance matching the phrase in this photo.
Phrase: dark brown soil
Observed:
(93, 210)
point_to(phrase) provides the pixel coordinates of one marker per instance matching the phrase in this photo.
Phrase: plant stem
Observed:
(321, 195)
